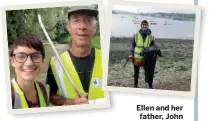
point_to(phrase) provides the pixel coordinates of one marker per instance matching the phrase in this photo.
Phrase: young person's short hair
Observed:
(29, 41)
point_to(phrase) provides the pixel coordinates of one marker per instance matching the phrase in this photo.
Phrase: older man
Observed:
(82, 61)
(144, 41)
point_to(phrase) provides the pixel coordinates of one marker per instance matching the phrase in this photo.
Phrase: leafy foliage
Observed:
(21, 22)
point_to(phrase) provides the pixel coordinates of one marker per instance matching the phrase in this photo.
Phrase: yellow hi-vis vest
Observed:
(20, 101)
(141, 45)
(64, 86)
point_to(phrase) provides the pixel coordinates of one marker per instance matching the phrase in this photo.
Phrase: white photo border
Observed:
(190, 93)
(11, 111)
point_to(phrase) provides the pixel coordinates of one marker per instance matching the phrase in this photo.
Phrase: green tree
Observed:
(21, 22)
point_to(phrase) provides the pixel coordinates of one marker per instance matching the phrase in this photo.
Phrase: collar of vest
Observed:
(20, 100)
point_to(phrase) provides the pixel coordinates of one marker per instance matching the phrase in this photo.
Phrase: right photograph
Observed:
(152, 47)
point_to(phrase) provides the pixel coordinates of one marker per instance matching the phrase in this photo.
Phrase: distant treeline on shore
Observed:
(176, 16)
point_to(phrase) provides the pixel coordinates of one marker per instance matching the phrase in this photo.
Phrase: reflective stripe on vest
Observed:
(140, 44)
(20, 101)
(64, 86)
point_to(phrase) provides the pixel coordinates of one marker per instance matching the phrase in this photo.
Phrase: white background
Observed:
(123, 104)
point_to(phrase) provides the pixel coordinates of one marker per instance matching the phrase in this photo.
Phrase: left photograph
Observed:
(55, 57)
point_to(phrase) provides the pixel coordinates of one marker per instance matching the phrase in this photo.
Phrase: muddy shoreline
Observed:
(172, 72)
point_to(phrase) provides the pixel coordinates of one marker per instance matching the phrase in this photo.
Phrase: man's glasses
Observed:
(22, 57)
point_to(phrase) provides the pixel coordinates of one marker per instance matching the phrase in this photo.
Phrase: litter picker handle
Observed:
(126, 62)
(56, 53)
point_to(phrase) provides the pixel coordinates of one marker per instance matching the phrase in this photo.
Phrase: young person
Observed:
(26, 57)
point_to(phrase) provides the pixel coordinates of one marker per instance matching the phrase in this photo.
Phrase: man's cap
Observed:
(91, 9)
(144, 22)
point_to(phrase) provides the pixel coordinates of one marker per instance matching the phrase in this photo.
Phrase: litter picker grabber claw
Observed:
(56, 53)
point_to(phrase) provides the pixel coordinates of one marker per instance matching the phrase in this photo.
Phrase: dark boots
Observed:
(150, 86)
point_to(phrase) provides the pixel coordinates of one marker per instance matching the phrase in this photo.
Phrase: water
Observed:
(124, 26)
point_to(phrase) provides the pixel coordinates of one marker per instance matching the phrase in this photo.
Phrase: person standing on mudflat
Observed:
(142, 41)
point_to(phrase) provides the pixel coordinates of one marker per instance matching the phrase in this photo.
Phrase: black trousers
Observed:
(149, 68)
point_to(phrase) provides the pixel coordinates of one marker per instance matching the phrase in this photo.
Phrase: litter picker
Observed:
(126, 62)
(56, 53)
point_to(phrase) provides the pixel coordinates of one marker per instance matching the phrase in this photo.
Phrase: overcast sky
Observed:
(152, 10)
